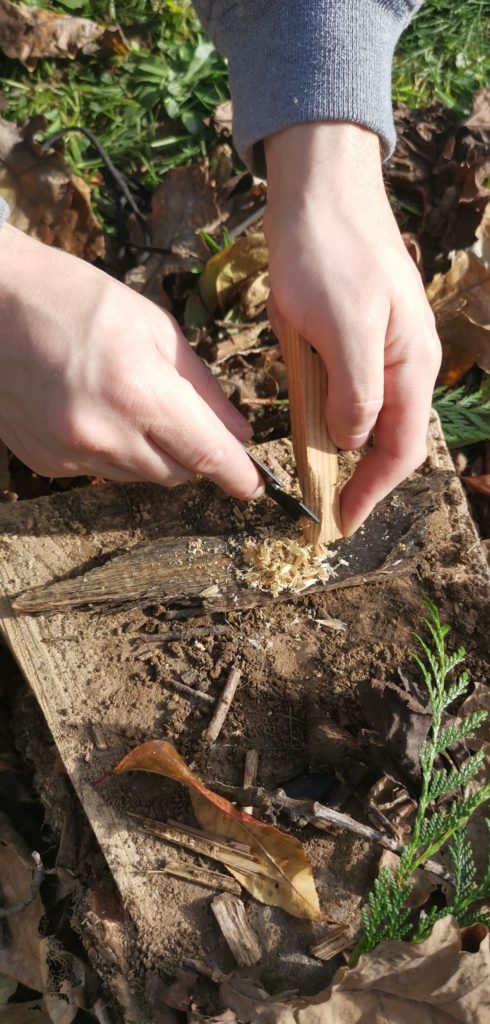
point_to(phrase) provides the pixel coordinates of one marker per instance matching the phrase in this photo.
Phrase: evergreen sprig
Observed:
(465, 418)
(386, 915)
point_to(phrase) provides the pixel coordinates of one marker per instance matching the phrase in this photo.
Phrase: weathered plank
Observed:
(82, 669)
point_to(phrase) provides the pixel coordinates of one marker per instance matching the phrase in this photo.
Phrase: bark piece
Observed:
(229, 912)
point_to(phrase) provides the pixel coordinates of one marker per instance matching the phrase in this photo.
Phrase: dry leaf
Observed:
(28, 33)
(254, 295)
(183, 204)
(478, 700)
(480, 114)
(22, 951)
(460, 300)
(287, 879)
(45, 199)
(422, 882)
(482, 245)
(478, 484)
(399, 719)
(434, 982)
(227, 271)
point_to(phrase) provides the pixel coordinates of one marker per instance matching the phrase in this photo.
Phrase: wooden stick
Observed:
(321, 817)
(223, 705)
(229, 912)
(315, 452)
(334, 942)
(250, 773)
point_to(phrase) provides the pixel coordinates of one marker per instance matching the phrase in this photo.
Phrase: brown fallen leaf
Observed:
(399, 719)
(182, 205)
(478, 484)
(254, 295)
(478, 700)
(434, 982)
(28, 33)
(46, 200)
(228, 271)
(22, 951)
(286, 879)
(460, 300)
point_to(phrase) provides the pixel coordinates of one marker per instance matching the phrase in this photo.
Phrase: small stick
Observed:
(223, 705)
(229, 912)
(250, 772)
(201, 876)
(321, 817)
(315, 452)
(195, 696)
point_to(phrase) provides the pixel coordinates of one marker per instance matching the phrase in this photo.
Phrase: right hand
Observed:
(97, 380)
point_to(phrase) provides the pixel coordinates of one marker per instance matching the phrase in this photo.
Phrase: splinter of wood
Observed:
(229, 912)
(223, 705)
(250, 773)
(314, 451)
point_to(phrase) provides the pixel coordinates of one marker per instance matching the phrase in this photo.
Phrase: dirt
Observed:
(105, 683)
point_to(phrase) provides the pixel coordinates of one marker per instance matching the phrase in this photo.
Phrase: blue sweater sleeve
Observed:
(292, 61)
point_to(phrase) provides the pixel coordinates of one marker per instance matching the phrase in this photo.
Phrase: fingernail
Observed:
(258, 493)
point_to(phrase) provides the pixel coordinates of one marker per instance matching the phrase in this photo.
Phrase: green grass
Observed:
(148, 107)
(444, 55)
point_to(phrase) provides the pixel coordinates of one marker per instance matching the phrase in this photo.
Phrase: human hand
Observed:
(96, 379)
(340, 274)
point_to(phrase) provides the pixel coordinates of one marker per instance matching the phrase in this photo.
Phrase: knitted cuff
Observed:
(292, 61)
(4, 212)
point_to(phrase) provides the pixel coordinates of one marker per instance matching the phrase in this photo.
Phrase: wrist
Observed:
(322, 158)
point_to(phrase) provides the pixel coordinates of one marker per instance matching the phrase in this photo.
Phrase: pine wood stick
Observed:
(314, 451)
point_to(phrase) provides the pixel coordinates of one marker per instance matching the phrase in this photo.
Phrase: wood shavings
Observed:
(285, 563)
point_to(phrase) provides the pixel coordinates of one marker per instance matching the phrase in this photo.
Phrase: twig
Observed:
(37, 878)
(223, 705)
(314, 813)
(195, 696)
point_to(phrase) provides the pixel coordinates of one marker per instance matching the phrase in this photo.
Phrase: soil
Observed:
(104, 682)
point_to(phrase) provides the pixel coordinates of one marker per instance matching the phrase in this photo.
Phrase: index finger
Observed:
(185, 427)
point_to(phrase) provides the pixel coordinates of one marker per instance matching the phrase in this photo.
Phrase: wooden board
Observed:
(200, 545)
(92, 692)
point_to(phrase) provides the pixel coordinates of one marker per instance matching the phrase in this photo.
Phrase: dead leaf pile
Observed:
(285, 878)
(444, 980)
(28, 33)
(45, 199)
(460, 300)
(443, 168)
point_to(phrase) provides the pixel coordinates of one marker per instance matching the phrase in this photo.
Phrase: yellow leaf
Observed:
(287, 879)
(227, 270)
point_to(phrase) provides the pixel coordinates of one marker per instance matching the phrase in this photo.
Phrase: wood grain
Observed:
(314, 450)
